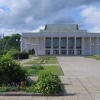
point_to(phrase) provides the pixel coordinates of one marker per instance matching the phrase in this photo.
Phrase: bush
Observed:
(10, 72)
(31, 51)
(23, 55)
(47, 84)
(18, 55)
(13, 53)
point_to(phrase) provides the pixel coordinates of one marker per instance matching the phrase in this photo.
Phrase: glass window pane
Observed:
(78, 43)
(56, 52)
(47, 52)
(56, 43)
(48, 43)
(63, 42)
(71, 42)
(63, 52)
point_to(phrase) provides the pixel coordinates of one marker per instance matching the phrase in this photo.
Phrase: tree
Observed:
(9, 42)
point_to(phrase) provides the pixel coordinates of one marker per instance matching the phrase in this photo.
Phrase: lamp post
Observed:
(17, 40)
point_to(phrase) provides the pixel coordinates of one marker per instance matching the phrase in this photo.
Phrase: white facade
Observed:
(78, 42)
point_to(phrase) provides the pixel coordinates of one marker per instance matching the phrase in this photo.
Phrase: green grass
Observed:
(54, 69)
(97, 57)
(34, 70)
(47, 58)
(37, 61)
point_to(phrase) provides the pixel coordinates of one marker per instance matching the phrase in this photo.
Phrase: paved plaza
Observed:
(81, 80)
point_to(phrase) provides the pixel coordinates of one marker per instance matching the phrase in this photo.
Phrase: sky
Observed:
(18, 16)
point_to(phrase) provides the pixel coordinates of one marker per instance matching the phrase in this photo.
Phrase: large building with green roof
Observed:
(61, 39)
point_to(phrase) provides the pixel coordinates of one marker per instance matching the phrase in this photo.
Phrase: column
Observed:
(67, 45)
(44, 45)
(21, 44)
(90, 45)
(83, 46)
(37, 45)
(51, 45)
(97, 44)
(59, 45)
(30, 43)
(75, 46)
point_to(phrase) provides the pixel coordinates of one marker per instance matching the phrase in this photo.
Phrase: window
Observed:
(71, 42)
(78, 43)
(63, 52)
(63, 42)
(70, 52)
(78, 52)
(48, 43)
(47, 52)
(56, 52)
(55, 42)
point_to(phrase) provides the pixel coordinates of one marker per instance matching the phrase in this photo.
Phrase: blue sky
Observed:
(31, 15)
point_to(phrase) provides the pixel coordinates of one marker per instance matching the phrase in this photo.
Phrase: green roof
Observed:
(62, 28)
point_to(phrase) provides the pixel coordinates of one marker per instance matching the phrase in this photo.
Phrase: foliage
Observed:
(9, 42)
(10, 72)
(23, 55)
(31, 51)
(47, 84)
(15, 54)
(12, 88)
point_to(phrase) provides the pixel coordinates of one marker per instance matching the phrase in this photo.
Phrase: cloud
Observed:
(31, 14)
(91, 16)
(64, 20)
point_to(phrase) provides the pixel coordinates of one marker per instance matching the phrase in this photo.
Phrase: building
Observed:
(61, 39)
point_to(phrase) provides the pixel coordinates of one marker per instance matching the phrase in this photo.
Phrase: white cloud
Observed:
(30, 14)
(92, 17)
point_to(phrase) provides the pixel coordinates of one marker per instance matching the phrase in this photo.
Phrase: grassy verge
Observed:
(47, 58)
(37, 61)
(35, 69)
(97, 57)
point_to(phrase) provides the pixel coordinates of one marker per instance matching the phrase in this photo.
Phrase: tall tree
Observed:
(9, 42)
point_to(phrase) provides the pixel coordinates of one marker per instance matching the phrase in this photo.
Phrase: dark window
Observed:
(70, 52)
(56, 52)
(71, 42)
(78, 52)
(63, 52)
(78, 43)
(47, 52)
(63, 42)
(55, 42)
(48, 43)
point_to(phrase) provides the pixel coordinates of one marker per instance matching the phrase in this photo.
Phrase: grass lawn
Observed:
(97, 57)
(34, 70)
(47, 58)
(37, 61)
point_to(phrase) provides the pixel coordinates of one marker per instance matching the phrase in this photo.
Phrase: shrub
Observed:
(47, 84)
(24, 55)
(18, 55)
(13, 53)
(31, 51)
(10, 72)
